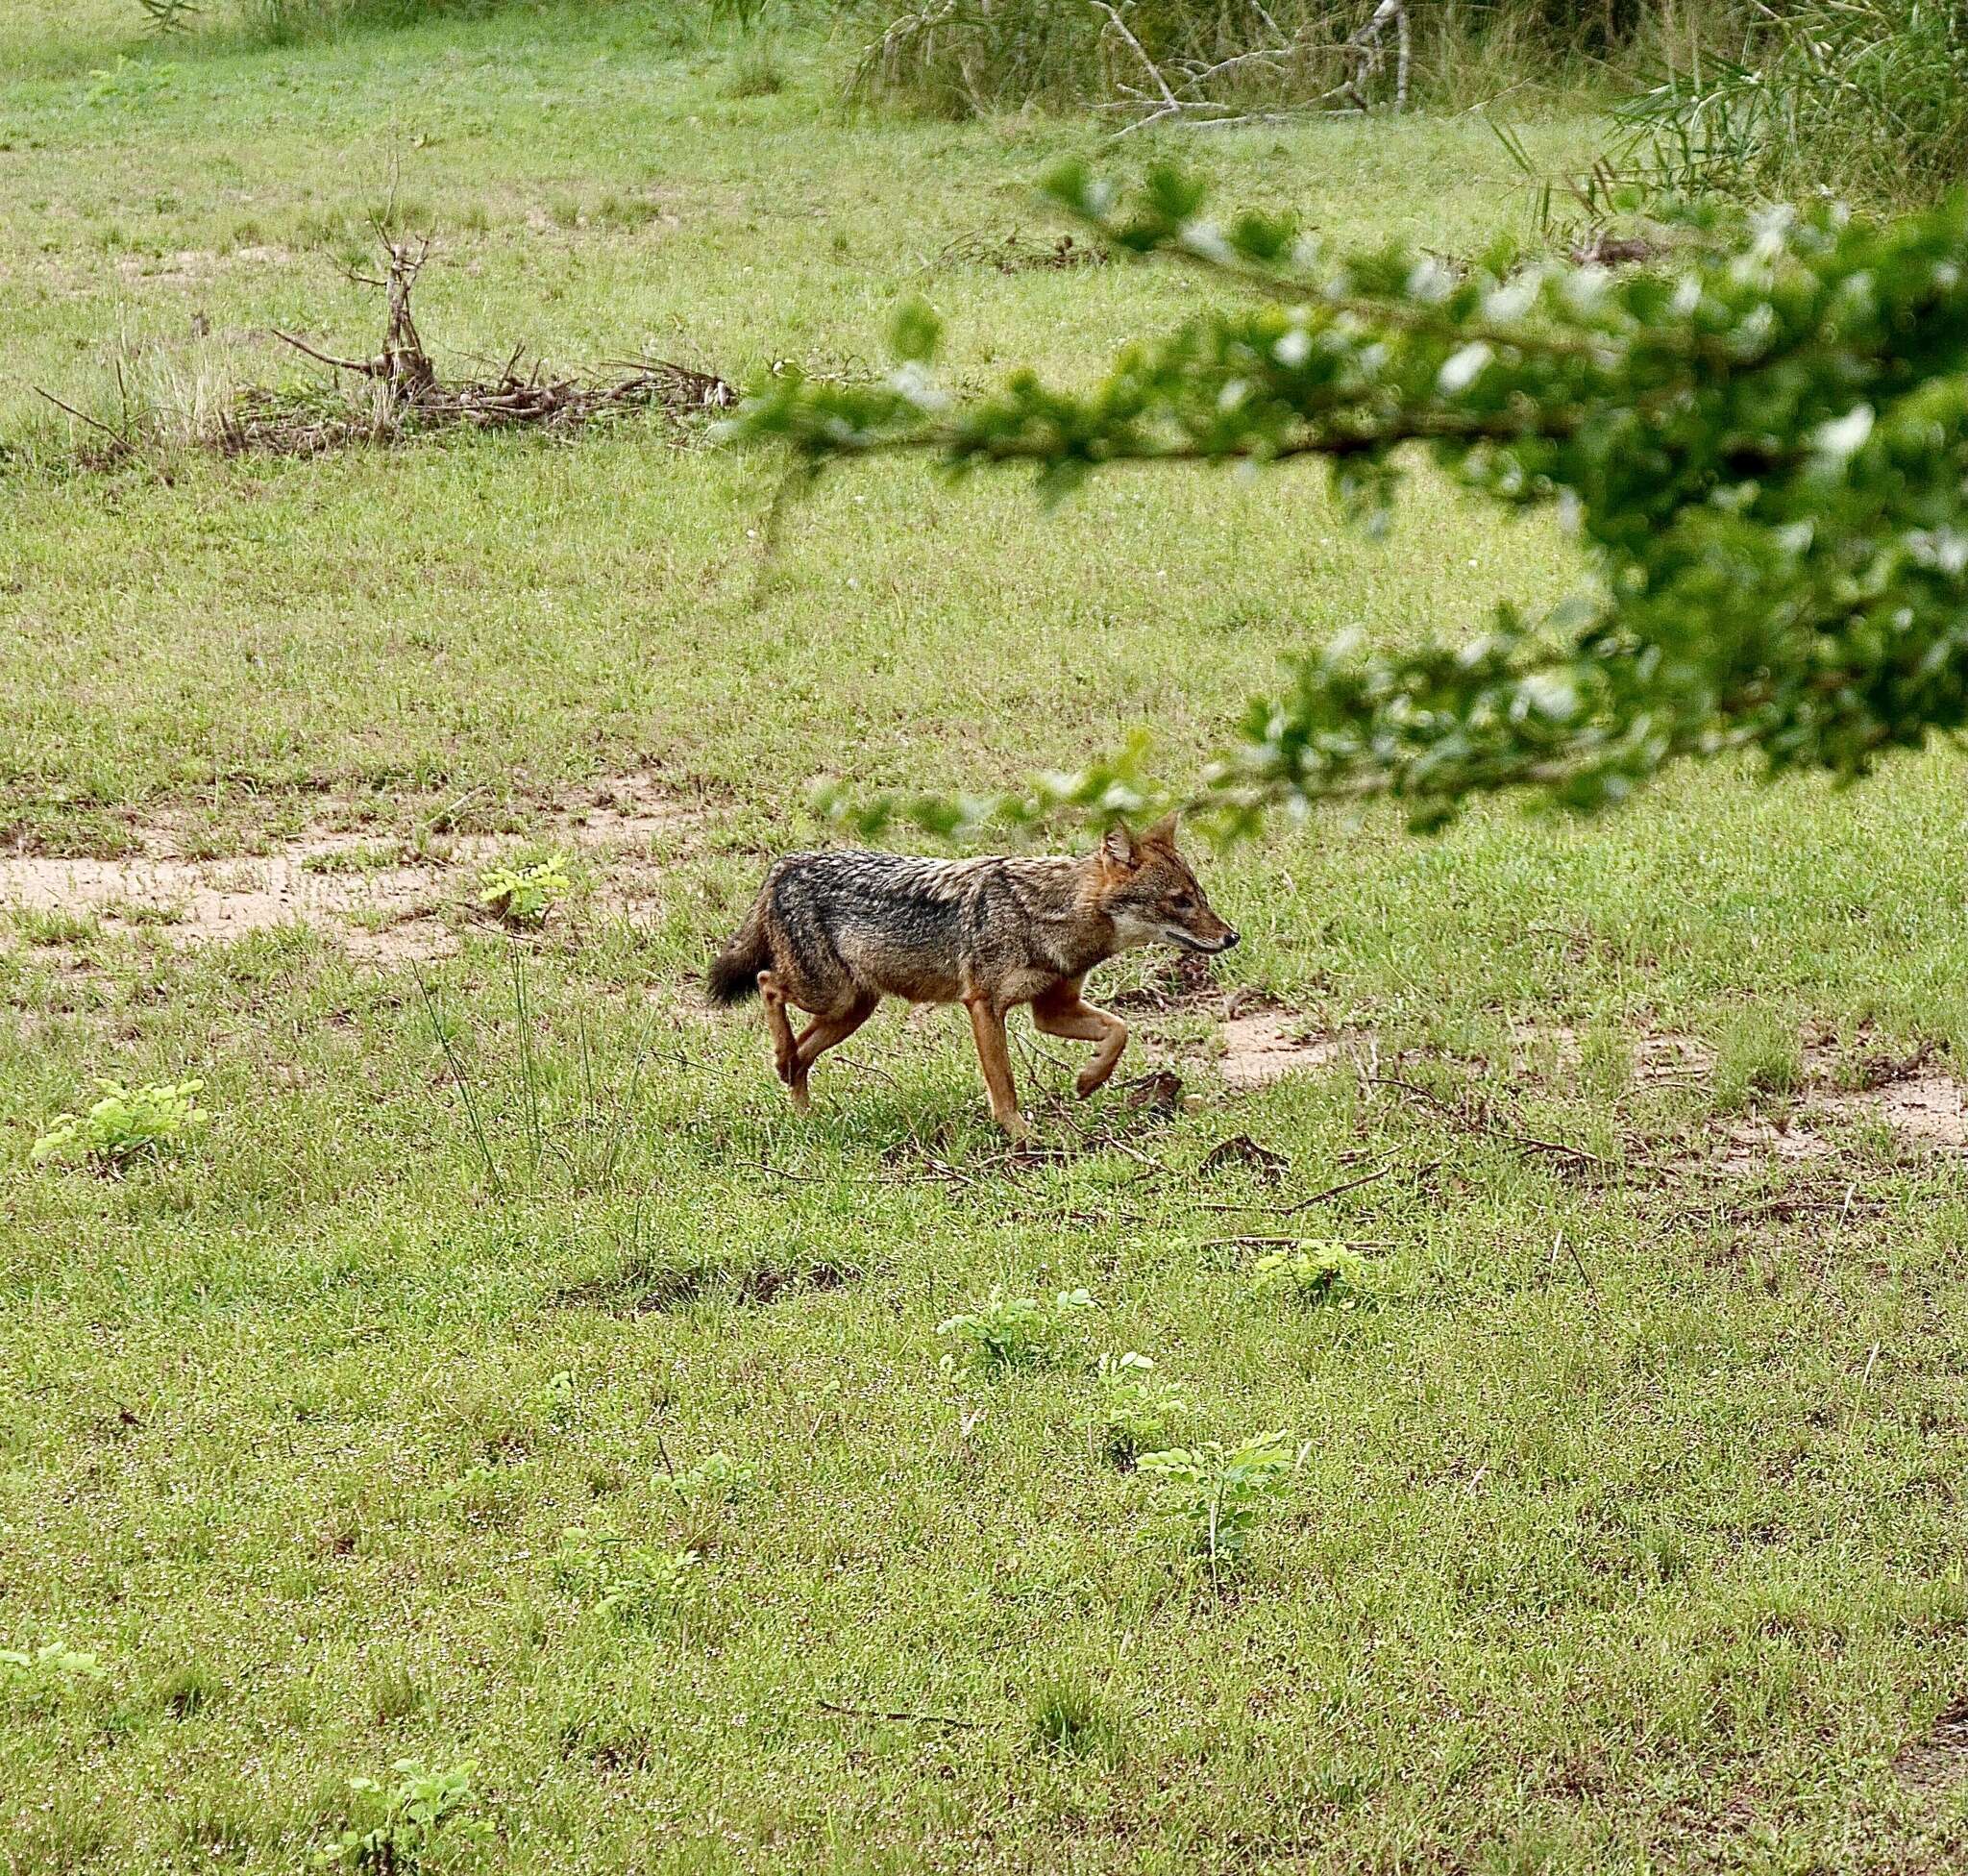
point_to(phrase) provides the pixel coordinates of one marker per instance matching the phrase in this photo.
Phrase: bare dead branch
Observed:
(1184, 99)
(83, 416)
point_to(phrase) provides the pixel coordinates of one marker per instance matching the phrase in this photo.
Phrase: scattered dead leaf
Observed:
(1240, 1149)
(1159, 1092)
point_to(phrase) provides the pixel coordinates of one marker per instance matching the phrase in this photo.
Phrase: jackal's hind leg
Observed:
(786, 1050)
(823, 1033)
(1060, 1012)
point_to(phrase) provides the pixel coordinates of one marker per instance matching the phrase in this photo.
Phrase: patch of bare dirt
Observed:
(1265, 1047)
(1902, 1092)
(1921, 1107)
(1263, 1042)
(386, 914)
(620, 809)
(1753, 1145)
(381, 904)
(1659, 1056)
(1927, 1108)
(1670, 1057)
(1939, 1758)
(188, 266)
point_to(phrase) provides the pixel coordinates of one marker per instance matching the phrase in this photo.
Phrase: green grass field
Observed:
(1627, 1534)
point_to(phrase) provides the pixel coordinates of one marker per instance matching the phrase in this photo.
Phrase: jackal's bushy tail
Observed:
(733, 975)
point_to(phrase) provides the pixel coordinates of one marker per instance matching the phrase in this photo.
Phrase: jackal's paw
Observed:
(1018, 1129)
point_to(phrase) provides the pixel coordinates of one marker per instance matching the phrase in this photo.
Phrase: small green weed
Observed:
(1757, 1052)
(396, 1694)
(42, 1676)
(522, 896)
(1137, 1413)
(715, 1479)
(57, 925)
(421, 1807)
(1218, 1490)
(759, 72)
(747, 15)
(130, 81)
(186, 1689)
(144, 912)
(1011, 1331)
(635, 1585)
(483, 1494)
(125, 1124)
(1314, 1274)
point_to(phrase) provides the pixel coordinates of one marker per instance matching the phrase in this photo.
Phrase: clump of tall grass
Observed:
(1866, 98)
(156, 401)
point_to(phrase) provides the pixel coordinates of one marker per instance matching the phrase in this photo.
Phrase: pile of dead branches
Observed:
(400, 394)
(1019, 254)
(1188, 91)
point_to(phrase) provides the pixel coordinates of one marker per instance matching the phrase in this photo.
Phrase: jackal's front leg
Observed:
(1060, 1012)
(994, 1052)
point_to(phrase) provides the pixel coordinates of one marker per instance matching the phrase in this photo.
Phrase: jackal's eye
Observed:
(1182, 903)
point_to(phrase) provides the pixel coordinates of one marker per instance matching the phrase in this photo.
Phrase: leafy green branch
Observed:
(1760, 449)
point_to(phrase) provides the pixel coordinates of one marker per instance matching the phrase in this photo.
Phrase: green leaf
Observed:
(916, 332)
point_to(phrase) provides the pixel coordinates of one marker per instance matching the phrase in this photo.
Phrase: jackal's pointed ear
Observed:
(1162, 835)
(1118, 847)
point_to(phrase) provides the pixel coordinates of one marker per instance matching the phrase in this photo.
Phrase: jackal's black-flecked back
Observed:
(836, 927)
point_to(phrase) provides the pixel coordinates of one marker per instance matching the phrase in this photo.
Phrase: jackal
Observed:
(834, 933)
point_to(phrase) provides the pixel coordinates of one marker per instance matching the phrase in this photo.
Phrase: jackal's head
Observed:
(1149, 891)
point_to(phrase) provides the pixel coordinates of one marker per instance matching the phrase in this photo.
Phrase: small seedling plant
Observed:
(522, 896)
(41, 1677)
(1138, 1411)
(635, 1585)
(717, 1478)
(126, 1124)
(1218, 1490)
(1315, 1276)
(1006, 1332)
(420, 1808)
